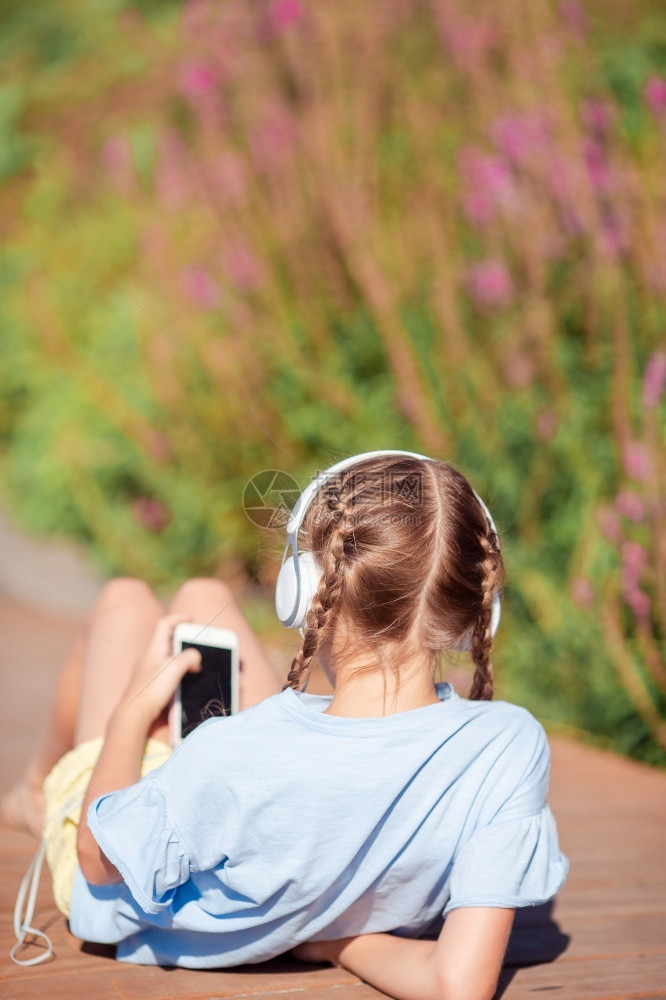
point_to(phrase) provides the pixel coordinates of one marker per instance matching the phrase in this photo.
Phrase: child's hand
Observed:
(320, 951)
(158, 673)
(311, 951)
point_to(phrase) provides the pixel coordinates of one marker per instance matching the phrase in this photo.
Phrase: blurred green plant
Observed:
(247, 236)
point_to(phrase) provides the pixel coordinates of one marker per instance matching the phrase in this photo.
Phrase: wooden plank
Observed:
(626, 977)
(608, 935)
(162, 985)
(76, 960)
(595, 898)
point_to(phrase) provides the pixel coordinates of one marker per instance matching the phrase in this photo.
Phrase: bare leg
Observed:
(91, 680)
(23, 805)
(211, 602)
(121, 626)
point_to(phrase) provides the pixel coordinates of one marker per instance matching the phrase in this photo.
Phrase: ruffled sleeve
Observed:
(512, 863)
(513, 859)
(133, 829)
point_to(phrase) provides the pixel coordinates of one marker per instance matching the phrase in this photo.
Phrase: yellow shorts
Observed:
(64, 790)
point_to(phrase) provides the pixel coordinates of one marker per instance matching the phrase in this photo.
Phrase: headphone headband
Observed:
(300, 508)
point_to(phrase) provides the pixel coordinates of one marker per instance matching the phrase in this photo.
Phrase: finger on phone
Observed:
(189, 660)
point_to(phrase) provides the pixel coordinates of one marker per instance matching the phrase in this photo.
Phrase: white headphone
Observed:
(300, 573)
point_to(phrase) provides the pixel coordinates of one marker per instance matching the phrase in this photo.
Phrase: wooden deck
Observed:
(604, 937)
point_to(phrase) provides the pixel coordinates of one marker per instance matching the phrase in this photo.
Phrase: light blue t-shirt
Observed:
(284, 824)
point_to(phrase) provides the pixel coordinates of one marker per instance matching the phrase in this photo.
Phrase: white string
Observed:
(30, 886)
(23, 921)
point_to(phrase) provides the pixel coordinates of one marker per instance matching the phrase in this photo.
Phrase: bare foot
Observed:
(23, 806)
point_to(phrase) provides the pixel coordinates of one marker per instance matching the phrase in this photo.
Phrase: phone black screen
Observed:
(207, 693)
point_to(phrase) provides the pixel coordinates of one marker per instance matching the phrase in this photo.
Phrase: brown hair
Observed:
(408, 557)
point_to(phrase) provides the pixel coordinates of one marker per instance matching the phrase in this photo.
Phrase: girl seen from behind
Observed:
(344, 827)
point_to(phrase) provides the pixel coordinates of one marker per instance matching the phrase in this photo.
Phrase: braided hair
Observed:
(491, 576)
(409, 563)
(340, 544)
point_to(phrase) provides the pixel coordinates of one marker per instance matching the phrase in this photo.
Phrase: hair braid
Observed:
(330, 587)
(492, 573)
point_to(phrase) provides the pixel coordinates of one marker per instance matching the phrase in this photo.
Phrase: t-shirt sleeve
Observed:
(514, 859)
(133, 828)
(160, 830)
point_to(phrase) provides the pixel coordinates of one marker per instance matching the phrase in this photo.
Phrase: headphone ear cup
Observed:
(286, 592)
(310, 579)
(292, 602)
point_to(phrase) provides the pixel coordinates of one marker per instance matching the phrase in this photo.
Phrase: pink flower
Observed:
(242, 266)
(610, 525)
(520, 135)
(151, 513)
(489, 182)
(489, 284)
(639, 602)
(629, 504)
(582, 591)
(197, 83)
(478, 207)
(562, 176)
(637, 461)
(158, 446)
(171, 177)
(274, 136)
(467, 39)
(229, 175)
(655, 265)
(597, 168)
(196, 15)
(613, 235)
(634, 559)
(496, 175)
(519, 369)
(598, 115)
(654, 94)
(654, 379)
(200, 287)
(195, 79)
(546, 424)
(116, 155)
(284, 12)
(572, 12)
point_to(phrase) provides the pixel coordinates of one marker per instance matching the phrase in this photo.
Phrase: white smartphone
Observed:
(213, 691)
